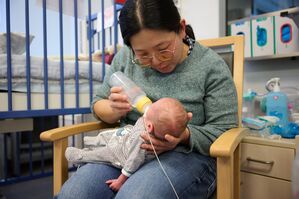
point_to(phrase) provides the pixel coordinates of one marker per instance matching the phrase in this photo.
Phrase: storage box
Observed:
(243, 28)
(286, 35)
(263, 36)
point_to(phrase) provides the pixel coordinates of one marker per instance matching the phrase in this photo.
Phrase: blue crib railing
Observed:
(18, 173)
(62, 110)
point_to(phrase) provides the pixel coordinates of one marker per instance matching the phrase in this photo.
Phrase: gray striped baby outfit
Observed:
(119, 147)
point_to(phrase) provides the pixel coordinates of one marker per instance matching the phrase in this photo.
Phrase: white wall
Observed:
(2, 16)
(257, 73)
(17, 11)
(207, 18)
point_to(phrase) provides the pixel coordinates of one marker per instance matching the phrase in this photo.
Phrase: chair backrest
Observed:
(231, 49)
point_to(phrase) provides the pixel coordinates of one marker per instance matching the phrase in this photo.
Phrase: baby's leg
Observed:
(100, 140)
(73, 154)
(76, 155)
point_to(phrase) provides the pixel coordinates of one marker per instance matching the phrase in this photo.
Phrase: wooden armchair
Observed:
(226, 148)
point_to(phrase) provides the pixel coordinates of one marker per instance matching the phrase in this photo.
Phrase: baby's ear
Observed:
(150, 127)
(189, 115)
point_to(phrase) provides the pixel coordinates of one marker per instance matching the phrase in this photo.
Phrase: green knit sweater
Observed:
(202, 83)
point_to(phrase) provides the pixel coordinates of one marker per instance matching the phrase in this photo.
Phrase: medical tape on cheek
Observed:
(156, 155)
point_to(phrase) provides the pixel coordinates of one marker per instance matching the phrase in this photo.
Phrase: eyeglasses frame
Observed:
(136, 60)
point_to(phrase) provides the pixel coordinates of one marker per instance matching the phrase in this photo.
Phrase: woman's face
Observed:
(149, 45)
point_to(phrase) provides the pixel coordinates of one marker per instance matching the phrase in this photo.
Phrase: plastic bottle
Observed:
(248, 106)
(136, 95)
(277, 105)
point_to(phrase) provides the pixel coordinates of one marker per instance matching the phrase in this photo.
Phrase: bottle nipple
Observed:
(143, 104)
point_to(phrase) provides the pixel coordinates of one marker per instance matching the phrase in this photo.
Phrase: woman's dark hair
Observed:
(152, 14)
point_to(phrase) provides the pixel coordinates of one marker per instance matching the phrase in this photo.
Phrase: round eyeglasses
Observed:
(163, 55)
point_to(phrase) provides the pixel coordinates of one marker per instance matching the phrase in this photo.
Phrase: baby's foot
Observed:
(73, 154)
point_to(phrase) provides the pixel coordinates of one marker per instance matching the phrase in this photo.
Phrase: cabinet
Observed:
(266, 168)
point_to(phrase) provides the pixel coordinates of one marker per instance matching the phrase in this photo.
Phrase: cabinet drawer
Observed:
(267, 160)
(255, 186)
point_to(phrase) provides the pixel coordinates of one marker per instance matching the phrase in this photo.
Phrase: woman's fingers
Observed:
(148, 138)
(159, 145)
(116, 89)
(172, 139)
(117, 97)
(119, 101)
(121, 105)
(150, 150)
(169, 140)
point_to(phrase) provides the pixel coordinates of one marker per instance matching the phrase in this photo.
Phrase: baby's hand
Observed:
(114, 184)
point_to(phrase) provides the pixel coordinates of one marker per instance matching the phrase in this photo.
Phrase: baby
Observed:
(121, 147)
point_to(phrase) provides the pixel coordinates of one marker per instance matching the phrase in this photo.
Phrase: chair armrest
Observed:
(66, 131)
(60, 142)
(225, 145)
(226, 148)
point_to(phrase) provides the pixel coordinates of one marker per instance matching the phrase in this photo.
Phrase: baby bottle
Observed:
(136, 95)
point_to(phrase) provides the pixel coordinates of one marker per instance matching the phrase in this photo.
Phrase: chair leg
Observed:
(228, 176)
(237, 168)
(224, 178)
(60, 173)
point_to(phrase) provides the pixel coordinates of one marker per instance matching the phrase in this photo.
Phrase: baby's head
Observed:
(166, 116)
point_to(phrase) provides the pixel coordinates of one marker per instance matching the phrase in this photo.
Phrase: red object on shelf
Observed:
(109, 58)
(120, 1)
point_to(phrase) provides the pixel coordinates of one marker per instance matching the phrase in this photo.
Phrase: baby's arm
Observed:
(134, 161)
(115, 184)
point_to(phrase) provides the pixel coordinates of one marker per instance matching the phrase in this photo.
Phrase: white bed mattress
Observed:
(19, 81)
(19, 87)
(19, 101)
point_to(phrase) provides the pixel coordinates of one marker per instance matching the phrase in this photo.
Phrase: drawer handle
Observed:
(260, 161)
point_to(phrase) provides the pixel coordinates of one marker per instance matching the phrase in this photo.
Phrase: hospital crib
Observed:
(53, 86)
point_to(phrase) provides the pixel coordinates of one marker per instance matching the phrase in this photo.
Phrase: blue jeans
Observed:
(193, 176)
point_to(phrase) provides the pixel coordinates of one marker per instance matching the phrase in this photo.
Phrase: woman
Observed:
(162, 57)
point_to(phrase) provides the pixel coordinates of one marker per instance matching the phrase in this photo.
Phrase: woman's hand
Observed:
(119, 102)
(168, 144)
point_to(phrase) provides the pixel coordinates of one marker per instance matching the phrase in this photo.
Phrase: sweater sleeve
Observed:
(104, 89)
(220, 108)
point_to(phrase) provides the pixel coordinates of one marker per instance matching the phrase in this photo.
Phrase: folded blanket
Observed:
(37, 85)
(18, 63)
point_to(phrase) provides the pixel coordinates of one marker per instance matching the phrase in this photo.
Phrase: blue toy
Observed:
(293, 130)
